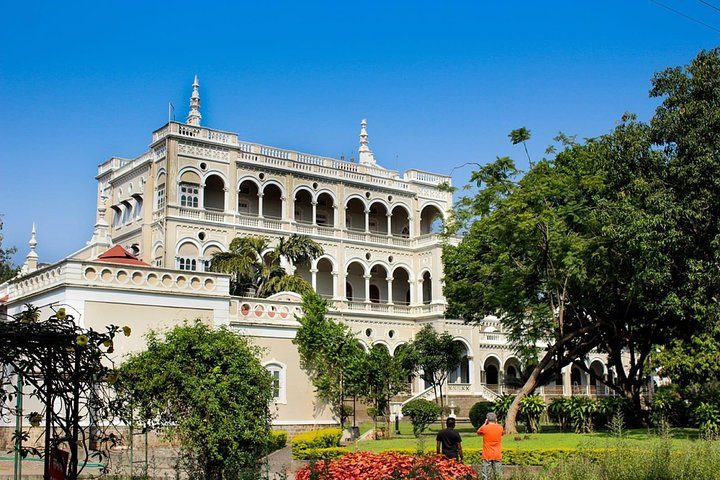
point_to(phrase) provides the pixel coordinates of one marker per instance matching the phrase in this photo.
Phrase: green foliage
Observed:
(559, 412)
(479, 411)
(611, 244)
(376, 377)
(657, 460)
(278, 439)
(707, 416)
(531, 409)
(502, 406)
(520, 135)
(582, 412)
(329, 353)
(611, 407)
(434, 354)
(254, 268)
(316, 439)
(422, 413)
(206, 388)
(7, 269)
(694, 367)
(668, 407)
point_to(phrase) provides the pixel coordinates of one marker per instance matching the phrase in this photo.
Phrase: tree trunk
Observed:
(530, 385)
(510, 418)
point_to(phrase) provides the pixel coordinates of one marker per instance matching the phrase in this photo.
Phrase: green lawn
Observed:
(550, 439)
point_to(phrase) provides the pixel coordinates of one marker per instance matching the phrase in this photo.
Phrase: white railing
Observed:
(191, 131)
(427, 394)
(459, 388)
(484, 391)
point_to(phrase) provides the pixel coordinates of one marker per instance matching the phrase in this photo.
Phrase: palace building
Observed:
(163, 214)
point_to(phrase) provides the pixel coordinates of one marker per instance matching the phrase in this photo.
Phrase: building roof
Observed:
(118, 254)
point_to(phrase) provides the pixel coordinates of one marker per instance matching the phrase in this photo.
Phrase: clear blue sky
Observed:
(441, 83)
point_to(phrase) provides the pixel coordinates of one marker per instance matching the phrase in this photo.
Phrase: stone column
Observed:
(367, 286)
(313, 278)
(390, 291)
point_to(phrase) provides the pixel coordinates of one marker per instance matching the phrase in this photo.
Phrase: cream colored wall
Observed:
(141, 318)
(300, 406)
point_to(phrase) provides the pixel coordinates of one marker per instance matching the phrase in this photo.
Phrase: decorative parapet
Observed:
(298, 161)
(118, 276)
(200, 133)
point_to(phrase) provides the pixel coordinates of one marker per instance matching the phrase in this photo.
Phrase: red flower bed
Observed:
(386, 466)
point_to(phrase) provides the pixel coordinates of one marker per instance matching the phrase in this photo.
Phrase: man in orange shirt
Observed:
(492, 434)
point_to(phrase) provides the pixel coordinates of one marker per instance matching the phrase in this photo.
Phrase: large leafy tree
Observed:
(524, 258)
(330, 354)
(7, 269)
(206, 388)
(612, 244)
(257, 266)
(433, 356)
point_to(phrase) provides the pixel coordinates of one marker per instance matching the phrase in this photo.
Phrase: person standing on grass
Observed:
(449, 441)
(492, 433)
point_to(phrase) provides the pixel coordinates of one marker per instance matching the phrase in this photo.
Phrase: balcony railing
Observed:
(280, 225)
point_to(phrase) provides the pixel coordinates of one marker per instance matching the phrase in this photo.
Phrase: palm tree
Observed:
(255, 267)
(521, 135)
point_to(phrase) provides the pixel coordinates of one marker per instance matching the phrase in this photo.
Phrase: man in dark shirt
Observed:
(449, 441)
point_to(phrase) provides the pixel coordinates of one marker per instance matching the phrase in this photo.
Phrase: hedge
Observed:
(317, 439)
(473, 456)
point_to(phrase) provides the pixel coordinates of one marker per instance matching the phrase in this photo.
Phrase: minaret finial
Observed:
(364, 152)
(31, 261)
(194, 116)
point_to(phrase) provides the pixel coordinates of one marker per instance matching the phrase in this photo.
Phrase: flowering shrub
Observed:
(386, 466)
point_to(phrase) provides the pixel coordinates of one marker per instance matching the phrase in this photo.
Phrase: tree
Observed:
(206, 388)
(433, 355)
(524, 258)
(521, 135)
(71, 374)
(612, 243)
(377, 377)
(329, 353)
(255, 266)
(422, 413)
(7, 270)
(694, 368)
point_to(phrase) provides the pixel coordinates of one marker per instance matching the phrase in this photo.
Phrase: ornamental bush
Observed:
(479, 411)
(386, 466)
(531, 408)
(278, 439)
(324, 438)
(422, 413)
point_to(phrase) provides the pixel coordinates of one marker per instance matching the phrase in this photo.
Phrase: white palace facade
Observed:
(197, 188)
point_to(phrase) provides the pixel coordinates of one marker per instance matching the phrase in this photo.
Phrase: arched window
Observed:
(189, 195)
(277, 372)
(160, 192)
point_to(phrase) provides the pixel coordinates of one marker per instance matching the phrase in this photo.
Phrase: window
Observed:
(189, 195)
(185, 263)
(158, 262)
(160, 197)
(277, 373)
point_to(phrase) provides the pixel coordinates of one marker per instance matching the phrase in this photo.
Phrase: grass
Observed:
(548, 439)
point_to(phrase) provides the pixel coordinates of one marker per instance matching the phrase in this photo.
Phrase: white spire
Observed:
(364, 152)
(31, 261)
(194, 116)
(100, 240)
